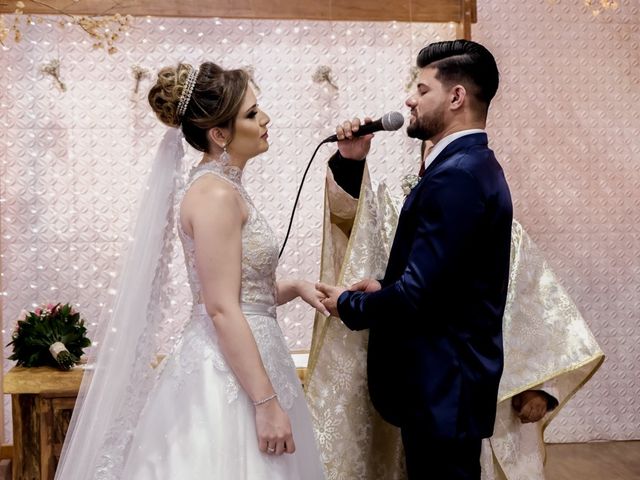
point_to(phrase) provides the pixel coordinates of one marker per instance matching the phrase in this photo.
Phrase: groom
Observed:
(435, 319)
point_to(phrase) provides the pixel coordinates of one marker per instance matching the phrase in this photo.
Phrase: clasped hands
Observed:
(530, 406)
(329, 294)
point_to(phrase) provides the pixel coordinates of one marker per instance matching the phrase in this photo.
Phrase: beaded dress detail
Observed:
(199, 422)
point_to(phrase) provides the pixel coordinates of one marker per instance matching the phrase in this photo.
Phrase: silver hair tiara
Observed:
(185, 97)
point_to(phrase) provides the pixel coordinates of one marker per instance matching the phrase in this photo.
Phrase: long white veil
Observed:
(121, 370)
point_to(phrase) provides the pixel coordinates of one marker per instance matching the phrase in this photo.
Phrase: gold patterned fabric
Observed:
(547, 345)
(354, 441)
(546, 342)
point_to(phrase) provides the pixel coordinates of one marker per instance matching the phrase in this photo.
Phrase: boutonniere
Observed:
(409, 181)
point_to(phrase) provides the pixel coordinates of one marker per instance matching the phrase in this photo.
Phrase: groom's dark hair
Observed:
(466, 63)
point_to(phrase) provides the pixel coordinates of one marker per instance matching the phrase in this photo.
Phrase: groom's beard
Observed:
(427, 126)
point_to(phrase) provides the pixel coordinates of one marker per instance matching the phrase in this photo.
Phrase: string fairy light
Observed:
(596, 7)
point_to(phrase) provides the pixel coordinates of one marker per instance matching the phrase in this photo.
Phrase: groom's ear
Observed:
(218, 136)
(458, 95)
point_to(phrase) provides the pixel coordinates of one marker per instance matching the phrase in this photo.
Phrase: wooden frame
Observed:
(462, 12)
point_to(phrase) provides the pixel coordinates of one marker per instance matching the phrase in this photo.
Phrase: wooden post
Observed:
(466, 17)
(26, 437)
(43, 399)
(4, 339)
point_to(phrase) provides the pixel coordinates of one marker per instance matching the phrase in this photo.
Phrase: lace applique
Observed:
(258, 286)
(276, 358)
(110, 461)
(259, 246)
(199, 345)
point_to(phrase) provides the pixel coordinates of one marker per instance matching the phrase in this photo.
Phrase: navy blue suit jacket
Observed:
(435, 342)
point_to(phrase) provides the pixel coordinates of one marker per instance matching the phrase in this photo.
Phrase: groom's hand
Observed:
(367, 285)
(331, 294)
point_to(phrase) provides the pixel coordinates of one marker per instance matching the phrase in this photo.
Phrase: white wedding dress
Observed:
(198, 422)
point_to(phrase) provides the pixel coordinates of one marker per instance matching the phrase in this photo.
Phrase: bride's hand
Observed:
(307, 292)
(274, 429)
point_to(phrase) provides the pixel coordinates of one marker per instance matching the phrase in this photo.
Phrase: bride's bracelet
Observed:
(265, 400)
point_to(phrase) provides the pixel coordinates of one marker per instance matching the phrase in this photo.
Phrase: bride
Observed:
(226, 402)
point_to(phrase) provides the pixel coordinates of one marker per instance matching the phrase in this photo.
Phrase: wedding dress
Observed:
(198, 423)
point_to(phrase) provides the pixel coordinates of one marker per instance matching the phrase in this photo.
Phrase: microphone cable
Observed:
(295, 203)
(390, 121)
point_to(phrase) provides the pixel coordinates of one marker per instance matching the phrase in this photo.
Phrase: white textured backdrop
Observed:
(565, 126)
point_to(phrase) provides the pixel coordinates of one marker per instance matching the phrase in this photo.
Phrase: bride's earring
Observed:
(224, 157)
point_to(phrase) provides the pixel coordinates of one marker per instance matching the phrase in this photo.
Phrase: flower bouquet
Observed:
(50, 335)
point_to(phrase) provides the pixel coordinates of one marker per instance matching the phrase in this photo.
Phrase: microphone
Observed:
(389, 122)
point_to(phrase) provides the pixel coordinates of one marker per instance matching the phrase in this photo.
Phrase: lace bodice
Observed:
(259, 246)
(257, 299)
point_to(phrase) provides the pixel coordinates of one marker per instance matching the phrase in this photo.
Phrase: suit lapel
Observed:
(463, 143)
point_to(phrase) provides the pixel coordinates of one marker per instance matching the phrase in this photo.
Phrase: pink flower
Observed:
(38, 311)
(50, 306)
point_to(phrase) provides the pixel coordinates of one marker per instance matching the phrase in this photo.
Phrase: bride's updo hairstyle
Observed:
(214, 102)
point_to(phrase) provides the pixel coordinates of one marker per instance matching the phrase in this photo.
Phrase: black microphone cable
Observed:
(389, 122)
(295, 203)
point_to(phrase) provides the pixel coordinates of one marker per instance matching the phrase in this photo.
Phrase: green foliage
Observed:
(38, 330)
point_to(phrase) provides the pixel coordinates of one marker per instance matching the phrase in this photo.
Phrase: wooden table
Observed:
(42, 400)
